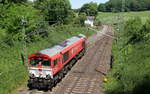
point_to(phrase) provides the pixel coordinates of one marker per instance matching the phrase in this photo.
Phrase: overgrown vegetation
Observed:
(130, 73)
(39, 25)
(12, 68)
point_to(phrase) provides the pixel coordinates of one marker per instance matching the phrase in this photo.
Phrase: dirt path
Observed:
(86, 76)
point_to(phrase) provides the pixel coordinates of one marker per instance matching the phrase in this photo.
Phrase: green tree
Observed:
(10, 1)
(102, 8)
(11, 20)
(70, 19)
(130, 5)
(108, 6)
(54, 11)
(134, 5)
(90, 9)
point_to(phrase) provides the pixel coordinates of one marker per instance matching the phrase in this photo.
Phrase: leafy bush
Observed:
(133, 30)
(81, 19)
(130, 73)
(146, 29)
(12, 20)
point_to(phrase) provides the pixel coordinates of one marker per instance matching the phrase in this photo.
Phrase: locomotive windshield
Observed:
(36, 61)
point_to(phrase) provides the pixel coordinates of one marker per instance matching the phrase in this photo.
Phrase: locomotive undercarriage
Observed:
(48, 84)
(39, 83)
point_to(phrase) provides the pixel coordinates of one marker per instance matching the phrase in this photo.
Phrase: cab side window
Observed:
(55, 62)
(65, 56)
(83, 44)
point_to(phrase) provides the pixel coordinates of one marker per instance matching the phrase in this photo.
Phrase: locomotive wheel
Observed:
(61, 75)
(30, 87)
(50, 88)
(51, 85)
(63, 72)
(66, 70)
(70, 66)
(74, 61)
(56, 80)
(30, 84)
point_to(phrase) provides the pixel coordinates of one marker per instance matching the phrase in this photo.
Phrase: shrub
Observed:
(130, 73)
(133, 30)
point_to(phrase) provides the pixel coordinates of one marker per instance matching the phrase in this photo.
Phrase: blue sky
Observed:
(78, 3)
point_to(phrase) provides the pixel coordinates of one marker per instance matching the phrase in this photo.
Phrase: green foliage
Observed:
(130, 5)
(11, 20)
(70, 19)
(2, 34)
(130, 73)
(146, 29)
(90, 9)
(98, 22)
(11, 1)
(80, 19)
(133, 30)
(54, 11)
(136, 31)
(102, 8)
(133, 72)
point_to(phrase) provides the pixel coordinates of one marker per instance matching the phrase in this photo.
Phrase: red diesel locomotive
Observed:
(49, 66)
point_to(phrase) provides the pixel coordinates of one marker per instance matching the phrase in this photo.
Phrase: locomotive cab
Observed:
(40, 71)
(40, 66)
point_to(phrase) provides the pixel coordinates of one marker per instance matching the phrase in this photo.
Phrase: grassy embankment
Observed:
(130, 73)
(13, 72)
(112, 18)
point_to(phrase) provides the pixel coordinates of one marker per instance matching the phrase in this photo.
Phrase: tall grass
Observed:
(12, 71)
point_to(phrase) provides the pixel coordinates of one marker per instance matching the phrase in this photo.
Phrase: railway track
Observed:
(86, 76)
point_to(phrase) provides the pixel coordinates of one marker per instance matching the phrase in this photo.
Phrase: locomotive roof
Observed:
(61, 46)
